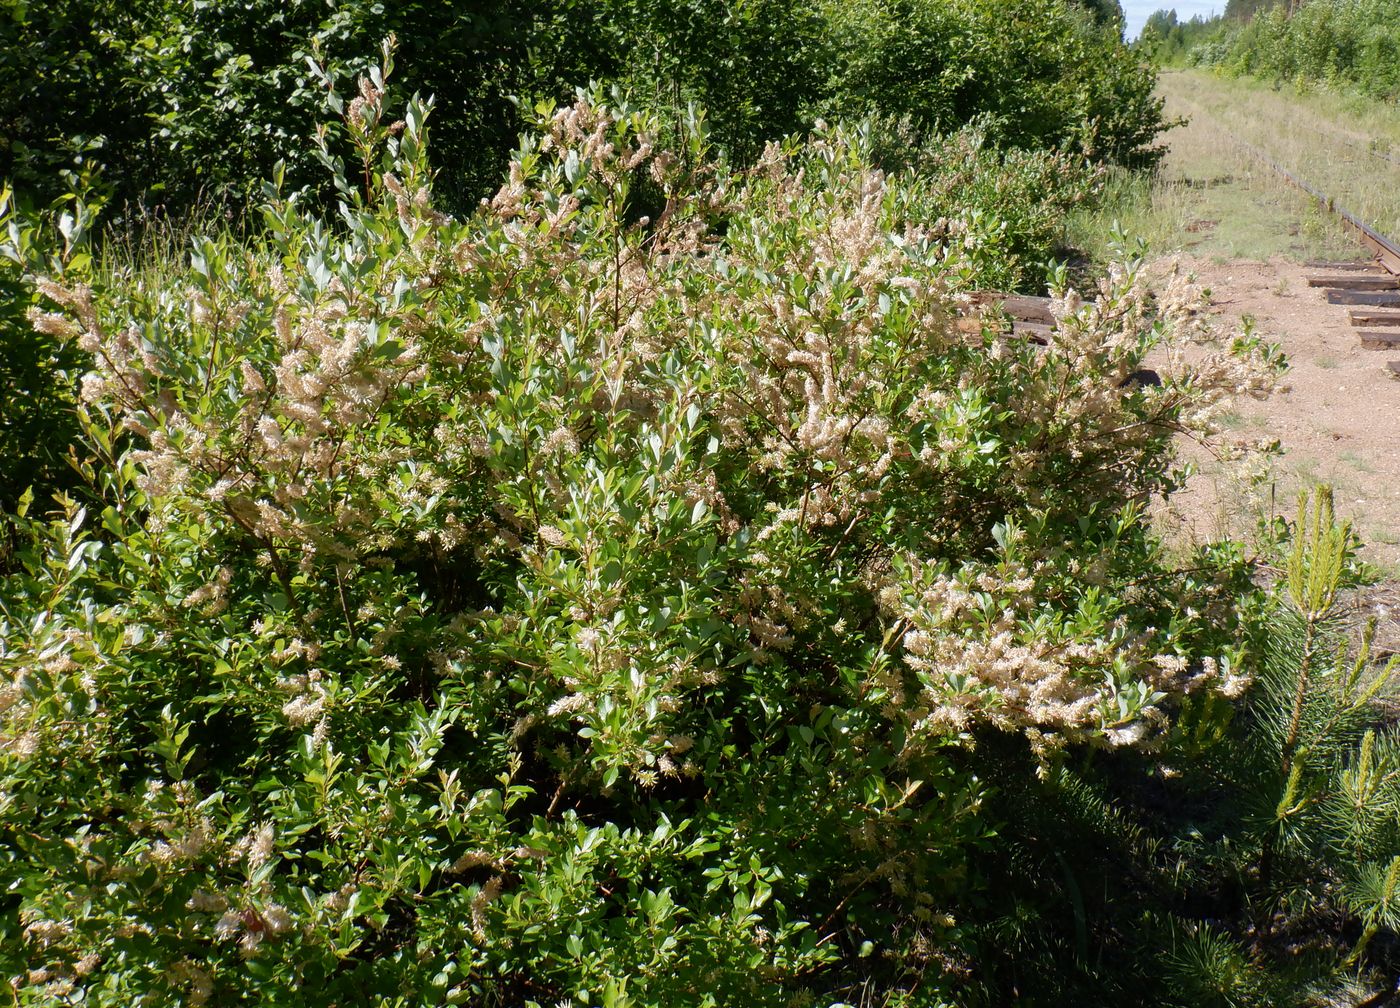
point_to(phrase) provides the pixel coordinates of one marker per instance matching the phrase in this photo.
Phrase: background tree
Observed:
(184, 104)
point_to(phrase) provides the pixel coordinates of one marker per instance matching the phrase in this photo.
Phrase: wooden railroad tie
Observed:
(1372, 293)
(1349, 282)
(1347, 266)
(1357, 281)
(1379, 299)
(1378, 339)
(1022, 307)
(1036, 332)
(1031, 318)
(1374, 317)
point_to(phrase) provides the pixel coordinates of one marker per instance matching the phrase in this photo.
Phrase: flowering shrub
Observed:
(1018, 199)
(570, 604)
(38, 370)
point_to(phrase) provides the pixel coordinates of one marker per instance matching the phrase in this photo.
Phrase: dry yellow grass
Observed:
(1353, 158)
(1212, 198)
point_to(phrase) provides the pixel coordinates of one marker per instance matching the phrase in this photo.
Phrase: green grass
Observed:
(1325, 139)
(1356, 462)
(1211, 198)
(1373, 124)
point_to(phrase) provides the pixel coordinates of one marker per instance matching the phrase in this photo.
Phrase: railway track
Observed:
(1363, 148)
(1371, 290)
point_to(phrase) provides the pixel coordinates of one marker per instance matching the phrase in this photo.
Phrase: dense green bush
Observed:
(62, 96)
(184, 104)
(754, 67)
(1042, 73)
(566, 605)
(192, 104)
(1169, 40)
(1019, 199)
(39, 366)
(1353, 44)
(1349, 42)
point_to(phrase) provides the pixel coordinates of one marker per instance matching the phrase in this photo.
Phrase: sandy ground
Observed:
(1244, 232)
(1338, 423)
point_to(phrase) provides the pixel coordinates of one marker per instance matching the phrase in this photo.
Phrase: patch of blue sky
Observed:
(1138, 11)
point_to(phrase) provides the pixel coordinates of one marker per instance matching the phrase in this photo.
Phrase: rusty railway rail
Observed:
(1366, 290)
(1363, 148)
(1386, 250)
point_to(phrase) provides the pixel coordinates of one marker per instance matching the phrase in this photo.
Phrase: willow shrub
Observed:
(38, 371)
(1046, 75)
(186, 106)
(566, 605)
(1017, 199)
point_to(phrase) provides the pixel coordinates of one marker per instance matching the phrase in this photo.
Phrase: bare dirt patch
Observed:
(1338, 423)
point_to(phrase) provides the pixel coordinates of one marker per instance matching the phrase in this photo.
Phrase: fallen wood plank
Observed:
(1350, 264)
(1036, 332)
(1020, 306)
(1353, 297)
(1032, 329)
(1379, 339)
(1029, 309)
(1374, 317)
(1356, 282)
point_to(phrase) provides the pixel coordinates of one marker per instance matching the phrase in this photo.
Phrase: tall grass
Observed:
(1210, 197)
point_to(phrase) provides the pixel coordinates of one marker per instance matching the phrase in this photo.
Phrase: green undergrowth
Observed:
(1346, 45)
(646, 589)
(183, 106)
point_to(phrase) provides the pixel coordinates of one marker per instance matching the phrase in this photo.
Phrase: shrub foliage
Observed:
(1352, 44)
(185, 104)
(606, 598)
(38, 370)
